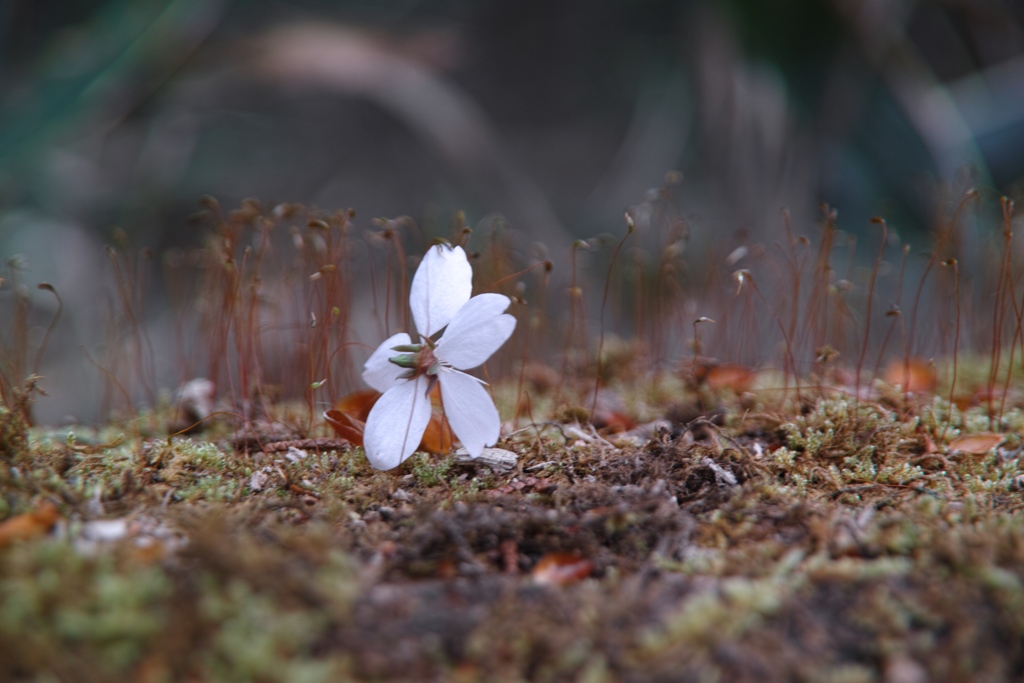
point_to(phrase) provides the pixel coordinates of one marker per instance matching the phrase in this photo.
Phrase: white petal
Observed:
(396, 424)
(442, 284)
(477, 330)
(380, 373)
(470, 411)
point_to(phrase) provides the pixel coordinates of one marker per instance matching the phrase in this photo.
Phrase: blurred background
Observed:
(117, 116)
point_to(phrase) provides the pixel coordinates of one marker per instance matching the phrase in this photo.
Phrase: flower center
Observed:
(418, 359)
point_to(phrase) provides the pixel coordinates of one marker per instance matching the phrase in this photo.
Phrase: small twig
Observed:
(576, 431)
(704, 422)
(324, 444)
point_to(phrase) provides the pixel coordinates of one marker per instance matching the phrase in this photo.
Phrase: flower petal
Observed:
(380, 373)
(476, 331)
(442, 284)
(470, 411)
(396, 423)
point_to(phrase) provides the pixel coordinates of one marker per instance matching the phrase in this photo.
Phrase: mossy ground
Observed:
(826, 540)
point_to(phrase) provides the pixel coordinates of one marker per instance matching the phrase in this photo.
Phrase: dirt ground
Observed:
(841, 541)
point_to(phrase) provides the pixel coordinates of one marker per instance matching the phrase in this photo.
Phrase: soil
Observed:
(834, 541)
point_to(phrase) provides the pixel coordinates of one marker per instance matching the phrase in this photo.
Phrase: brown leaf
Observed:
(437, 438)
(348, 417)
(976, 444)
(29, 525)
(345, 426)
(735, 377)
(561, 569)
(916, 377)
(612, 421)
(357, 405)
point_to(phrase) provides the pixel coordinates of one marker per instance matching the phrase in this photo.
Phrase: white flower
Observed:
(405, 372)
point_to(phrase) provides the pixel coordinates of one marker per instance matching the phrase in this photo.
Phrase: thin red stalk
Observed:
(818, 304)
(946, 236)
(639, 318)
(745, 275)
(113, 380)
(372, 263)
(497, 282)
(997, 316)
(404, 288)
(795, 268)
(1013, 348)
(604, 302)
(241, 355)
(997, 329)
(387, 294)
(956, 339)
(871, 298)
(125, 293)
(49, 330)
(575, 303)
(896, 309)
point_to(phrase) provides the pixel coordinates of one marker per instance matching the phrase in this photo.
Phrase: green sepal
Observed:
(406, 360)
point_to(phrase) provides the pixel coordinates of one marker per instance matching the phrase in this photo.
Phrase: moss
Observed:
(429, 470)
(13, 434)
(57, 604)
(840, 545)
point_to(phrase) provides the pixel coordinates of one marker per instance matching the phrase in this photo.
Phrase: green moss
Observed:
(55, 602)
(257, 638)
(320, 571)
(430, 470)
(13, 434)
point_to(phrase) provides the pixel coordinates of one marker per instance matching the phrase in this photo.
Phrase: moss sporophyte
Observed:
(476, 328)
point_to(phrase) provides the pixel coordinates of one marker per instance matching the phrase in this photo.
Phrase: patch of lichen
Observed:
(830, 544)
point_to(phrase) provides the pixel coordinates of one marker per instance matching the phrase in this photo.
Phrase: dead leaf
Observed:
(357, 404)
(615, 423)
(561, 569)
(29, 525)
(734, 377)
(963, 402)
(916, 377)
(976, 444)
(437, 438)
(346, 426)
